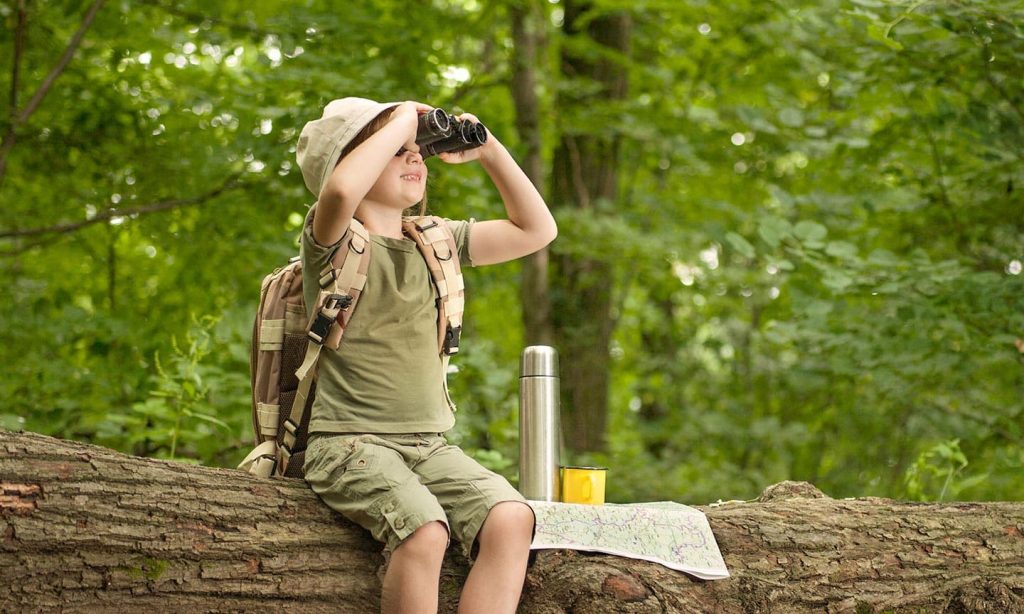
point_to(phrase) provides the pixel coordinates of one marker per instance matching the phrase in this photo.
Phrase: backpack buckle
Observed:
(273, 466)
(327, 278)
(292, 429)
(319, 329)
(333, 304)
(339, 302)
(452, 334)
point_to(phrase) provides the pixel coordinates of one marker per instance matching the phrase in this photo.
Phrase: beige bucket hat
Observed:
(321, 140)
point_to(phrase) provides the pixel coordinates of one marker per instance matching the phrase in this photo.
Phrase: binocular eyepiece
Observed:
(438, 132)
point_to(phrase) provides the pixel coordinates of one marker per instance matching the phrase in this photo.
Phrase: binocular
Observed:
(438, 132)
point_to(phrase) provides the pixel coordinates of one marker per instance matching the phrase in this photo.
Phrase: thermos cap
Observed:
(539, 360)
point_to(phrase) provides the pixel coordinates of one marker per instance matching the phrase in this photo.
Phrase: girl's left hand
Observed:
(470, 154)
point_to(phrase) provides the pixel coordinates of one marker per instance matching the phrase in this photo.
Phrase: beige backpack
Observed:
(286, 344)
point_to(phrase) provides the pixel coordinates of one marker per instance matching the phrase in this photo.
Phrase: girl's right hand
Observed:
(414, 108)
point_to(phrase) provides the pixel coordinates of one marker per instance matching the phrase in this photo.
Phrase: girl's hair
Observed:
(369, 130)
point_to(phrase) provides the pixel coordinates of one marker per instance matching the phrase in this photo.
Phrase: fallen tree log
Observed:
(84, 528)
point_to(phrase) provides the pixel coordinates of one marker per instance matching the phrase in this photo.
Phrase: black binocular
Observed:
(438, 132)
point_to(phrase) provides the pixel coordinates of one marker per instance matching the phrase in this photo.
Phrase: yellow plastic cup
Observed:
(583, 485)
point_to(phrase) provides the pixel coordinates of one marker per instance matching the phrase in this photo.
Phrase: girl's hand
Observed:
(415, 109)
(411, 106)
(470, 154)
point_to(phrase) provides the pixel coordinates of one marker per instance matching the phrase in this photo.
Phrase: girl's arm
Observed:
(356, 173)
(529, 226)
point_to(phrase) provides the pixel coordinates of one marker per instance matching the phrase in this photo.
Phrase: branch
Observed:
(30, 245)
(199, 18)
(230, 184)
(65, 59)
(236, 28)
(19, 48)
(44, 88)
(904, 15)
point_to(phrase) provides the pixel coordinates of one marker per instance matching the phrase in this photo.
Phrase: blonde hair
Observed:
(369, 130)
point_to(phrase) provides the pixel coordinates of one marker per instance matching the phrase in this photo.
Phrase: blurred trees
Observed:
(593, 87)
(809, 258)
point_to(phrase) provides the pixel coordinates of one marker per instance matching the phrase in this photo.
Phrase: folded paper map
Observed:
(675, 535)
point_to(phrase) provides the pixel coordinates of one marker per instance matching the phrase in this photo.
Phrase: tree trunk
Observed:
(83, 528)
(585, 176)
(527, 51)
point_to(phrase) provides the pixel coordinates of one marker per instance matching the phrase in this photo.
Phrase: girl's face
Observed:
(403, 182)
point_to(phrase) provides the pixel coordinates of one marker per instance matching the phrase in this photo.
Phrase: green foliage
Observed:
(485, 387)
(942, 464)
(815, 255)
(179, 418)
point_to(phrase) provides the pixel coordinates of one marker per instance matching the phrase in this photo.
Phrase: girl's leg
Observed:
(411, 580)
(366, 479)
(496, 578)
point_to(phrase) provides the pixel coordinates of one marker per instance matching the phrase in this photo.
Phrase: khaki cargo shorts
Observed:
(392, 484)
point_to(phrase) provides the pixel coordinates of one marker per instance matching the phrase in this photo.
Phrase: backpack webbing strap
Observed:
(342, 276)
(267, 415)
(325, 319)
(261, 461)
(349, 275)
(341, 282)
(437, 245)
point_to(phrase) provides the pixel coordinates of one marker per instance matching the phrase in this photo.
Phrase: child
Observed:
(377, 452)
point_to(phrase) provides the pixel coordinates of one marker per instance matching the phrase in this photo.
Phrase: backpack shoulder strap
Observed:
(343, 276)
(436, 243)
(341, 283)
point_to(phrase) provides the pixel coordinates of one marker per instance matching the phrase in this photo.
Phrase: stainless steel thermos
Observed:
(539, 425)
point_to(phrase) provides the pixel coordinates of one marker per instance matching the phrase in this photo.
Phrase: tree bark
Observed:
(584, 176)
(84, 528)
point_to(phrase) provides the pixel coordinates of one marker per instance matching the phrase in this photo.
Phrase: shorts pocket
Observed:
(353, 455)
(325, 456)
(366, 471)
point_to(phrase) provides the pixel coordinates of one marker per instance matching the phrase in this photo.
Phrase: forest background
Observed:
(791, 233)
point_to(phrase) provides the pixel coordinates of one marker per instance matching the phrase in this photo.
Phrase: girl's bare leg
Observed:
(496, 579)
(413, 574)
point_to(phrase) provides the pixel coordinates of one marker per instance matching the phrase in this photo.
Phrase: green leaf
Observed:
(883, 257)
(791, 117)
(810, 232)
(841, 250)
(837, 281)
(740, 244)
(879, 32)
(12, 422)
(774, 230)
(211, 419)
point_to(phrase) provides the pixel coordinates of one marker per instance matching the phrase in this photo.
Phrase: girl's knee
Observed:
(509, 519)
(427, 542)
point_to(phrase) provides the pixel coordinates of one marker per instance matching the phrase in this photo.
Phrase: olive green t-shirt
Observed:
(385, 377)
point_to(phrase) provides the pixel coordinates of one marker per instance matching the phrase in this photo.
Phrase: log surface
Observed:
(84, 528)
